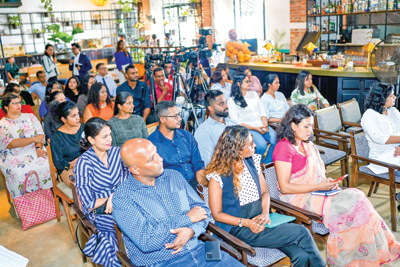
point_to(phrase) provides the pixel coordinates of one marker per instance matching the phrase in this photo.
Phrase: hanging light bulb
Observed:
(99, 2)
(138, 25)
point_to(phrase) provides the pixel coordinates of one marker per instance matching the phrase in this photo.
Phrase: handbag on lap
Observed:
(36, 207)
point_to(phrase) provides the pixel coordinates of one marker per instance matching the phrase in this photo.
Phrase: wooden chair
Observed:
(350, 115)
(152, 127)
(32, 73)
(65, 193)
(314, 225)
(5, 185)
(359, 153)
(64, 70)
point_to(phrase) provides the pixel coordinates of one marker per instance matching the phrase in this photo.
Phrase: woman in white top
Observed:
(245, 107)
(219, 81)
(49, 62)
(381, 124)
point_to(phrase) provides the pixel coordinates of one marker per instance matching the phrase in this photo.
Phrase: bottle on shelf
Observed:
(374, 5)
(334, 8)
(309, 11)
(355, 5)
(323, 12)
(330, 8)
(324, 27)
(398, 4)
(360, 6)
(317, 9)
(350, 7)
(327, 8)
(350, 64)
(314, 10)
(332, 26)
(339, 7)
(390, 5)
(394, 4)
(366, 5)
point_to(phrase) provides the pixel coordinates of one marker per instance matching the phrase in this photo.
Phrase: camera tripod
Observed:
(149, 77)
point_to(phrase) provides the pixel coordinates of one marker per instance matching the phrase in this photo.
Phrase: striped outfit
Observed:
(50, 68)
(93, 181)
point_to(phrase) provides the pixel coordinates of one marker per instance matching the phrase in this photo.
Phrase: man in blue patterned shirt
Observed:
(160, 215)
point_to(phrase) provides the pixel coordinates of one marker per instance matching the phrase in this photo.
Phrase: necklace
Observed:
(104, 105)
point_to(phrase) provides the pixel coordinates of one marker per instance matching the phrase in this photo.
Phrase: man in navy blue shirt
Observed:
(177, 147)
(139, 91)
(160, 215)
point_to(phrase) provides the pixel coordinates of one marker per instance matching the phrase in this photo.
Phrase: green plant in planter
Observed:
(14, 21)
(125, 5)
(67, 22)
(57, 36)
(48, 5)
(193, 4)
(278, 38)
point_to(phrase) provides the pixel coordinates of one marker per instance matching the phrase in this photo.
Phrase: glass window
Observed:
(249, 19)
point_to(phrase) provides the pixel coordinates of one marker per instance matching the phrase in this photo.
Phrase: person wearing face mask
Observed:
(21, 148)
(306, 93)
(51, 123)
(139, 91)
(274, 102)
(358, 235)
(86, 84)
(129, 125)
(98, 172)
(99, 103)
(65, 147)
(209, 131)
(255, 84)
(245, 107)
(240, 202)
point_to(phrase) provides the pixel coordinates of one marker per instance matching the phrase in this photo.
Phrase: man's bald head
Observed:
(141, 157)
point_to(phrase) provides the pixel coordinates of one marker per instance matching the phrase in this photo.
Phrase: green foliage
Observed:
(278, 38)
(193, 1)
(125, 5)
(15, 20)
(57, 36)
(48, 5)
(35, 31)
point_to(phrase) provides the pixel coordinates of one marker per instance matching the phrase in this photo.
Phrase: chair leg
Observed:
(83, 243)
(393, 212)
(69, 220)
(376, 188)
(371, 187)
(8, 195)
(57, 203)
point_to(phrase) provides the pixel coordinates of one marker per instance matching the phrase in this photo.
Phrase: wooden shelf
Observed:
(355, 13)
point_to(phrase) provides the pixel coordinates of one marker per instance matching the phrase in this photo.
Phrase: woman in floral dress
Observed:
(21, 142)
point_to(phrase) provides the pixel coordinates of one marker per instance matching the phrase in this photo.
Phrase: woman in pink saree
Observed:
(358, 235)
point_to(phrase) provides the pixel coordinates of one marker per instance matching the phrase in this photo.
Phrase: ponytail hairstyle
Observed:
(92, 129)
(62, 110)
(120, 99)
(235, 90)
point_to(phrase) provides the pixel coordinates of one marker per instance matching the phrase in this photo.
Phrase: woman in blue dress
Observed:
(98, 172)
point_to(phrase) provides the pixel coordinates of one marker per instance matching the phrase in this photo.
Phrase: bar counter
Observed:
(335, 85)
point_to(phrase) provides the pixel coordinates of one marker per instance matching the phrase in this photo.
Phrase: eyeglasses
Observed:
(177, 116)
(16, 103)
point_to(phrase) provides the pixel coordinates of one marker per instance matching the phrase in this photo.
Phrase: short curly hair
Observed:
(376, 99)
(296, 114)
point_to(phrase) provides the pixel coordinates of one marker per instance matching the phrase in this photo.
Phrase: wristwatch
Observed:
(240, 222)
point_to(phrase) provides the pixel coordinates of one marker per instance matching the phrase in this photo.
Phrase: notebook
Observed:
(278, 219)
(326, 193)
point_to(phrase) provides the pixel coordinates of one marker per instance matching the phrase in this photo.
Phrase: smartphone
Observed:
(339, 179)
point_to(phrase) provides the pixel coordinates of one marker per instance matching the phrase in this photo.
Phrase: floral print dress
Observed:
(15, 163)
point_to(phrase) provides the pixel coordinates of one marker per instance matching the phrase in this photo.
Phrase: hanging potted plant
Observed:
(193, 4)
(14, 21)
(97, 19)
(67, 22)
(37, 33)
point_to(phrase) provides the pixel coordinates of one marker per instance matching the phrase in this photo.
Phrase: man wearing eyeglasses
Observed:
(177, 147)
(164, 90)
(79, 64)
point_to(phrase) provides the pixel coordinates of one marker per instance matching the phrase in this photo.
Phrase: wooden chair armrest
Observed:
(311, 215)
(124, 259)
(231, 240)
(349, 123)
(88, 224)
(224, 246)
(342, 135)
(273, 125)
(287, 210)
(377, 162)
(340, 140)
(321, 151)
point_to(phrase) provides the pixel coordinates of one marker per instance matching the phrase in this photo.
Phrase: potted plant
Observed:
(97, 19)
(67, 22)
(193, 4)
(38, 33)
(14, 21)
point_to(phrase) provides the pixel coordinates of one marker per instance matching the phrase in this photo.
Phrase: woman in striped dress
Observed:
(98, 172)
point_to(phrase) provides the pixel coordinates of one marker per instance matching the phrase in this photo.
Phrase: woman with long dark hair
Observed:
(49, 62)
(99, 103)
(307, 93)
(245, 108)
(358, 235)
(86, 83)
(274, 102)
(127, 125)
(381, 124)
(98, 172)
(51, 123)
(240, 202)
(50, 88)
(65, 147)
(219, 81)
(122, 60)
(224, 66)
(73, 89)
(255, 84)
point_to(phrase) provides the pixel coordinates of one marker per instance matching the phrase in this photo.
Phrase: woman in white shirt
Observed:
(381, 124)
(220, 82)
(245, 107)
(49, 62)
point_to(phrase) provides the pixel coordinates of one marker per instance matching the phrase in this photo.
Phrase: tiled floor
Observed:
(50, 244)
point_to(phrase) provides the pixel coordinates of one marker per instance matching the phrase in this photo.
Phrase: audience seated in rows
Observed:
(177, 147)
(208, 133)
(224, 66)
(255, 84)
(165, 230)
(306, 93)
(98, 172)
(73, 89)
(139, 91)
(274, 102)
(99, 103)
(245, 108)
(14, 89)
(86, 83)
(65, 147)
(50, 88)
(21, 148)
(126, 125)
(381, 124)
(358, 235)
(122, 60)
(79, 64)
(240, 202)
(50, 120)
(164, 90)
(103, 78)
(220, 82)
(39, 88)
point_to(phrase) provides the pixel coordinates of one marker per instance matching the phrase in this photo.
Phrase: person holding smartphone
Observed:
(49, 62)
(79, 64)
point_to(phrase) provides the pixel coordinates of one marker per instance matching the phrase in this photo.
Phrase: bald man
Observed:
(160, 215)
